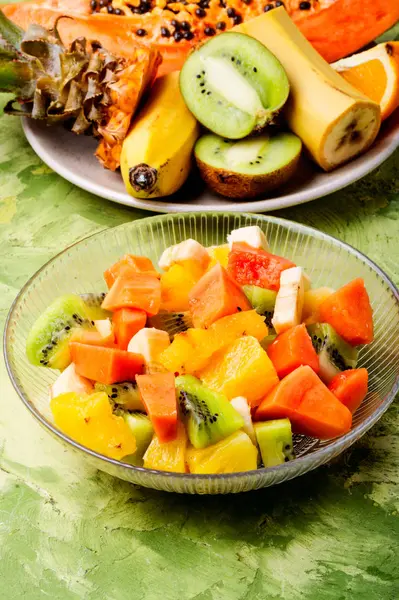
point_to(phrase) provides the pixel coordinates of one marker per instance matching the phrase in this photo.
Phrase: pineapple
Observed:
(95, 91)
(170, 456)
(233, 454)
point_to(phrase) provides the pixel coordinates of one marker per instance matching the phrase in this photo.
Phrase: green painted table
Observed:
(68, 532)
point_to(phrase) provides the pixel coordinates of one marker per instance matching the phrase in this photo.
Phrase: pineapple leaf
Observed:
(17, 76)
(9, 32)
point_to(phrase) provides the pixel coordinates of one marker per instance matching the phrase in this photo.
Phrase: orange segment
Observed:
(375, 72)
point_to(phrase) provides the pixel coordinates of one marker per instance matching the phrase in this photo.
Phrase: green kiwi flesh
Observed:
(123, 395)
(47, 344)
(233, 85)
(142, 429)
(208, 415)
(249, 167)
(262, 300)
(171, 322)
(267, 340)
(334, 353)
(94, 301)
(275, 441)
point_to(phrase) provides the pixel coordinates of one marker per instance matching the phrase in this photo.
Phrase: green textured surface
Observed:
(69, 532)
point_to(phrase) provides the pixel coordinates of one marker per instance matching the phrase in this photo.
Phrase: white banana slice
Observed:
(290, 298)
(150, 343)
(241, 405)
(251, 235)
(188, 250)
(70, 381)
(104, 327)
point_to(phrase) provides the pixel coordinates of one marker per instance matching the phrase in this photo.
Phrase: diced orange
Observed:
(135, 290)
(158, 394)
(312, 409)
(349, 312)
(292, 349)
(215, 296)
(241, 369)
(89, 421)
(176, 284)
(350, 387)
(255, 266)
(105, 365)
(193, 349)
(129, 264)
(127, 322)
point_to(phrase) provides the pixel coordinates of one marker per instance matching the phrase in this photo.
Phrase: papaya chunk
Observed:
(134, 290)
(105, 365)
(127, 322)
(129, 264)
(158, 394)
(292, 349)
(350, 387)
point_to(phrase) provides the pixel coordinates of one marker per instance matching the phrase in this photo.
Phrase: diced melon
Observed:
(242, 369)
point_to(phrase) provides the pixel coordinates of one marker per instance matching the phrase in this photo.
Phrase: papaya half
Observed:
(336, 28)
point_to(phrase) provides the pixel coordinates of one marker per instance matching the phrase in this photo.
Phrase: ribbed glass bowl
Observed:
(329, 262)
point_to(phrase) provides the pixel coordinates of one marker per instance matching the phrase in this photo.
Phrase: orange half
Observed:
(375, 72)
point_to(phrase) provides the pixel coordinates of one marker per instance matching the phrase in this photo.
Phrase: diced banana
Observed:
(150, 343)
(290, 297)
(104, 327)
(70, 381)
(241, 405)
(252, 235)
(187, 250)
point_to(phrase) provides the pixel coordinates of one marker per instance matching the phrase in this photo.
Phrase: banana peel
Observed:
(157, 152)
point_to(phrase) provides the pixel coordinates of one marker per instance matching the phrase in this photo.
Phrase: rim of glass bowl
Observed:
(315, 457)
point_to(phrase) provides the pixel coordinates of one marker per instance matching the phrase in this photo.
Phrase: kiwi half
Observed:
(250, 167)
(334, 353)
(233, 85)
(262, 300)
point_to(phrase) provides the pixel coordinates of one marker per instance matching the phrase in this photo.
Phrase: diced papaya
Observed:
(105, 365)
(135, 290)
(292, 349)
(215, 296)
(168, 456)
(349, 312)
(176, 284)
(241, 369)
(127, 322)
(158, 394)
(350, 387)
(89, 421)
(312, 409)
(255, 266)
(192, 350)
(312, 301)
(129, 263)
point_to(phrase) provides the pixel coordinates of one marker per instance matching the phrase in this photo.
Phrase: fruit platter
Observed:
(179, 105)
(194, 360)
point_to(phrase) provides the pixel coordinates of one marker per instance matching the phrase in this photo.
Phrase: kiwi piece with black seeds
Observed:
(94, 301)
(275, 441)
(334, 353)
(233, 85)
(262, 300)
(47, 344)
(250, 167)
(208, 415)
(123, 395)
(171, 322)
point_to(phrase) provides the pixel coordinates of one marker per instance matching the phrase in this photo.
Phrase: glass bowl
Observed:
(329, 262)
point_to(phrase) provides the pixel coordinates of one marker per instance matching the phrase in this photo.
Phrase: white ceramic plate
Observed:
(73, 158)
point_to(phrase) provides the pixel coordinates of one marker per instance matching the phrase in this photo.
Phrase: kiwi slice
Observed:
(267, 340)
(47, 344)
(233, 85)
(123, 395)
(335, 354)
(263, 301)
(275, 442)
(247, 168)
(94, 301)
(171, 322)
(142, 429)
(208, 415)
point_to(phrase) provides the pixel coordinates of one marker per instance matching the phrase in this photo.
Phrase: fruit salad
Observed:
(207, 362)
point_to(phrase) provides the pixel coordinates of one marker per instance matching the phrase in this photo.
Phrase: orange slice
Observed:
(375, 72)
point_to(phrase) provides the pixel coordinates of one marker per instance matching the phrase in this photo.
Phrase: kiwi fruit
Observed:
(171, 322)
(275, 442)
(334, 353)
(142, 429)
(123, 395)
(262, 300)
(233, 85)
(94, 301)
(47, 344)
(267, 340)
(208, 415)
(247, 168)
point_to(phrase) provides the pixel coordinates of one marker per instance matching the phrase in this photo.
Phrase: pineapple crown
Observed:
(52, 82)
